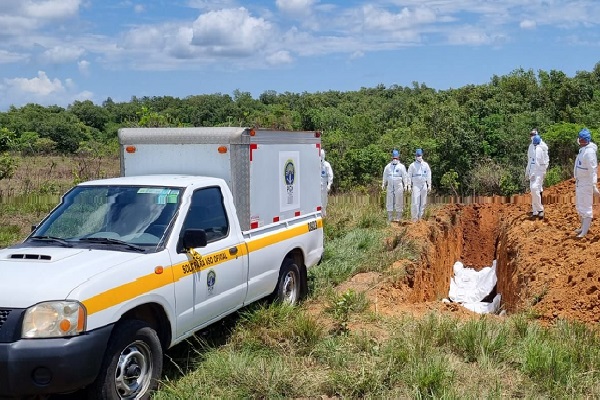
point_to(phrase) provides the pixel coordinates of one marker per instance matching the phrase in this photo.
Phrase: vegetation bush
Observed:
(478, 134)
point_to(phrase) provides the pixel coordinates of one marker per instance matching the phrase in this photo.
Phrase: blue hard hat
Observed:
(536, 139)
(395, 154)
(419, 152)
(585, 135)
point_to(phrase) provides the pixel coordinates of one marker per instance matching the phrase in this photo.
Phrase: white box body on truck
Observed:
(202, 222)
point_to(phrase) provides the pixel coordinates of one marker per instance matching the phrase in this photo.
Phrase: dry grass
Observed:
(55, 174)
(36, 186)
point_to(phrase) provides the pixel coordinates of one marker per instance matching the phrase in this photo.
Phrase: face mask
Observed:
(419, 158)
(394, 161)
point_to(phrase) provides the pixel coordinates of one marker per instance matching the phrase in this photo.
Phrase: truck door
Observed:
(218, 281)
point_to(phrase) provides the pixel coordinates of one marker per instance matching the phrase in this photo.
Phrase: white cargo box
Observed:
(273, 175)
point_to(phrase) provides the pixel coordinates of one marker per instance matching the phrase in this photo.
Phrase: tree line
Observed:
(474, 137)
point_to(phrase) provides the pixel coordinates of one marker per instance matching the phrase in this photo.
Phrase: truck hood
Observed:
(31, 275)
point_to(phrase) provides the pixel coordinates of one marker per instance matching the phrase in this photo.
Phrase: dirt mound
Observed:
(542, 267)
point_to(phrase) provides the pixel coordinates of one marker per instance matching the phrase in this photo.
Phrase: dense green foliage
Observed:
(475, 135)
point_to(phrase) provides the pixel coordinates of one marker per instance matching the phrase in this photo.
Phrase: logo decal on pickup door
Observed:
(312, 225)
(211, 278)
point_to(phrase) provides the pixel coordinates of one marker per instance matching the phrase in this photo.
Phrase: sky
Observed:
(55, 52)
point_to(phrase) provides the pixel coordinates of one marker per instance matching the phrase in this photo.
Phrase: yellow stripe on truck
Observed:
(146, 283)
(149, 282)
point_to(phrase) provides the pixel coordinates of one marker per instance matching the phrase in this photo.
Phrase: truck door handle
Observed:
(233, 251)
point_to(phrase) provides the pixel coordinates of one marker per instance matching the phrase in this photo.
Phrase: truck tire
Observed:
(132, 364)
(289, 284)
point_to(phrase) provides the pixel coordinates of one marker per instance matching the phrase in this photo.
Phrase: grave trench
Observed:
(475, 235)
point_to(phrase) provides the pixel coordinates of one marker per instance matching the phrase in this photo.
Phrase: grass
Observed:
(275, 351)
(333, 346)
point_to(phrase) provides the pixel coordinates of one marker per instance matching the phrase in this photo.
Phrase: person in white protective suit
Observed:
(396, 180)
(419, 182)
(537, 171)
(326, 182)
(531, 154)
(586, 178)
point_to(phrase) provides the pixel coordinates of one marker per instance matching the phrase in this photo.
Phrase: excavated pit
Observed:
(541, 266)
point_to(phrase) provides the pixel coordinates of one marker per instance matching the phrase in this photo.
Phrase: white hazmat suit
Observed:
(536, 170)
(586, 177)
(531, 155)
(326, 182)
(419, 182)
(395, 179)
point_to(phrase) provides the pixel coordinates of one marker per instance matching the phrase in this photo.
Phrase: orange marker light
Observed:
(222, 149)
(130, 149)
(252, 132)
(81, 320)
(65, 325)
(159, 270)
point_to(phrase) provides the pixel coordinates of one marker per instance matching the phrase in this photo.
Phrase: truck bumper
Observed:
(57, 365)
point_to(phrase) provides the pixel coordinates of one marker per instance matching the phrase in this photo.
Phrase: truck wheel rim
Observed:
(134, 370)
(289, 287)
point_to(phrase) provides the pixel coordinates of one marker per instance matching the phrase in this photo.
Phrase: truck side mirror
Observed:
(193, 238)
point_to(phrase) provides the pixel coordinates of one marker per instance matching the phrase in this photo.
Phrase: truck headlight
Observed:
(54, 319)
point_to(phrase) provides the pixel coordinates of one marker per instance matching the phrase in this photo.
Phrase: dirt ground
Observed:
(542, 267)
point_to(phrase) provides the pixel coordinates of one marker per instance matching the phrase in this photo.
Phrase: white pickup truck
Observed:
(202, 222)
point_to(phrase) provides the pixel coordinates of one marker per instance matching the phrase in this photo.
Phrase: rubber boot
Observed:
(585, 227)
(578, 230)
(390, 216)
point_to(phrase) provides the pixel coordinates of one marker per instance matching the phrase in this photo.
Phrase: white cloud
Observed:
(7, 57)
(180, 45)
(42, 90)
(279, 57)
(84, 67)
(469, 36)
(296, 8)
(51, 9)
(231, 32)
(38, 86)
(356, 55)
(139, 8)
(527, 24)
(145, 38)
(23, 18)
(61, 54)
(207, 5)
(380, 19)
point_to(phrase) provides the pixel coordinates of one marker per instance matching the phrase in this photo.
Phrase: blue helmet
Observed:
(395, 154)
(584, 134)
(536, 139)
(419, 152)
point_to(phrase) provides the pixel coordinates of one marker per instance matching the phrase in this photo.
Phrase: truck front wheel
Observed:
(132, 364)
(289, 285)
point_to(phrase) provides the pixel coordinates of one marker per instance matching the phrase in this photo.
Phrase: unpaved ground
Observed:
(542, 267)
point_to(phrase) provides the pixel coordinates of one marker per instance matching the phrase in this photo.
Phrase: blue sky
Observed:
(59, 51)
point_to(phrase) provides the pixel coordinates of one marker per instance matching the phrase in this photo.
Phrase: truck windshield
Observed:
(137, 215)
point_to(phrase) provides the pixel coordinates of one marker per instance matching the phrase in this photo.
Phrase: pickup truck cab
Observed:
(125, 268)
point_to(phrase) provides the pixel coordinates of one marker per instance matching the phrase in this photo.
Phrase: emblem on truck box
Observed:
(289, 172)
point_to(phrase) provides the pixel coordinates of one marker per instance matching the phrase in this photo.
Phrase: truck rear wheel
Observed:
(132, 364)
(289, 284)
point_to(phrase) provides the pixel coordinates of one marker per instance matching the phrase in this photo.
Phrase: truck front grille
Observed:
(3, 316)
